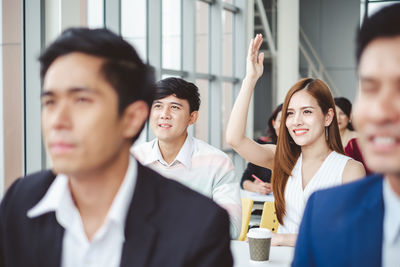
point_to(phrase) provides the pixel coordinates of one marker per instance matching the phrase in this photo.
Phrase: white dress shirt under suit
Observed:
(105, 248)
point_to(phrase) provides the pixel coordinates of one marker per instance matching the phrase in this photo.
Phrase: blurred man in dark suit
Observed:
(98, 206)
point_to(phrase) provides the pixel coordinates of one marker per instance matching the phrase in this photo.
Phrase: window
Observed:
(171, 34)
(226, 107)
(227, 43)
(95, 13)
(202, 37)
(133, 24)
(202, 41)
(201, 126)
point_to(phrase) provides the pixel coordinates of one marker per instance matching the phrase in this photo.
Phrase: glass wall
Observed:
(202, 37)
(202, 41)
(171, 34)
(95, 13)
(202, 48)
(227, 70)
(133, 26)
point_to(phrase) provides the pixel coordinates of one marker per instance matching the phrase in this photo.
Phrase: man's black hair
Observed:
(122, 68)
(179, 88)
(384, 23)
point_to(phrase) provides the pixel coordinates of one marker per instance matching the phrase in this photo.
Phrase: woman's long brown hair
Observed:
(287, 151)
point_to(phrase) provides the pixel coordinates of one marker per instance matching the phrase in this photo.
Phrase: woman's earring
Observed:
(326, 133)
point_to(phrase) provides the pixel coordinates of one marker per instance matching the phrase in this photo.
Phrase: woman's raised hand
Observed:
(262, 155)
(255, 61)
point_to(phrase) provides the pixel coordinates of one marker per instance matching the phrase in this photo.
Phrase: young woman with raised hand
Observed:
(347, 133)
(309, 153)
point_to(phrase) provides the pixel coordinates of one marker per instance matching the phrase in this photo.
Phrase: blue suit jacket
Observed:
(167, 224)
(343, 226)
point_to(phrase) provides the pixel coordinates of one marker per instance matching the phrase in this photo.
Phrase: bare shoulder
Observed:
(353, 134)
(353, 170)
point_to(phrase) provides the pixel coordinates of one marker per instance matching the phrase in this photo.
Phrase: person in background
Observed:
(347, 133)
(358, 224)
(343, 112)
(309, 153)
(248, 181)
(98, 206)
(353, 150)
(186, 159)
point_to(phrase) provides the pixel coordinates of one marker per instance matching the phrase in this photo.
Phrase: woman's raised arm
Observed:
(262, 155)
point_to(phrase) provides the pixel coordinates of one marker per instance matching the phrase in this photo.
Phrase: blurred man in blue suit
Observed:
(359, 224)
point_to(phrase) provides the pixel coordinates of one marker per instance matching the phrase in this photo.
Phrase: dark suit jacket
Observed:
(343, 226)
(167, 225)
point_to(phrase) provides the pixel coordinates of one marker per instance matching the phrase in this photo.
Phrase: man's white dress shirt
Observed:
(204, 169)
(391, 227)
(105, 248)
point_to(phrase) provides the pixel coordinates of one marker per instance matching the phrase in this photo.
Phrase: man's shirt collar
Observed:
(184, 156)
(58, 199)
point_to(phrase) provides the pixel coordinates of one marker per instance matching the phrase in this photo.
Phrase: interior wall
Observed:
(1, 110)
(11, 46)
(263, 101)
(331, 27)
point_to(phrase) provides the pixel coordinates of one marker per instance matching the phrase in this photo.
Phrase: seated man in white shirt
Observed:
(184, 158)
(98, 206)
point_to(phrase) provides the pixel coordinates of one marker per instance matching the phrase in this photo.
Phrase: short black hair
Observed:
(179, 88)
(122, 68)
(384, 23)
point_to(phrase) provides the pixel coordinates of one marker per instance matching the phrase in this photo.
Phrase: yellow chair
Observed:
(247, 205)
(268, 217)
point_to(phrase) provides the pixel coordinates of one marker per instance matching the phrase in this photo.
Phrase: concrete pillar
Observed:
(288, 46)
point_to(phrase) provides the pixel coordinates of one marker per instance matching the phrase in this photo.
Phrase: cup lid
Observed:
(259, 233)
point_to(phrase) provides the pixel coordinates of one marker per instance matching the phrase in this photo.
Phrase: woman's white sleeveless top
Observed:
(329, 174)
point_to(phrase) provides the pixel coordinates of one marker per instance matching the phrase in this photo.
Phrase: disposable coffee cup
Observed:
(259, 244)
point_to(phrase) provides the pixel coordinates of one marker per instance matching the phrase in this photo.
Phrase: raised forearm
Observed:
(235, 131)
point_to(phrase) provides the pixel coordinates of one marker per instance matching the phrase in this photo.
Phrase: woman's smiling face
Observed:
(305, 120)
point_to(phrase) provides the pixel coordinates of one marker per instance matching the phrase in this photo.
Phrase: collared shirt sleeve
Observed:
(226, 192)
